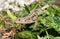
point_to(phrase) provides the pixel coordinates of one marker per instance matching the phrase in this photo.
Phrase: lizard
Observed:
(32, 16)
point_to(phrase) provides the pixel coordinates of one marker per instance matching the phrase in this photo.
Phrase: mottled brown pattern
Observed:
(32, 16)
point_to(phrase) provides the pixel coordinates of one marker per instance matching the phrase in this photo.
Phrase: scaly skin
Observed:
(32, 16)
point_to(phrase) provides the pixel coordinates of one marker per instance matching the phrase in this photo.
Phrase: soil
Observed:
(57, 2)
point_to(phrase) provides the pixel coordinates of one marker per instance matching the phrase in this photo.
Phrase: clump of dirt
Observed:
(7, 34)
(57, 2)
